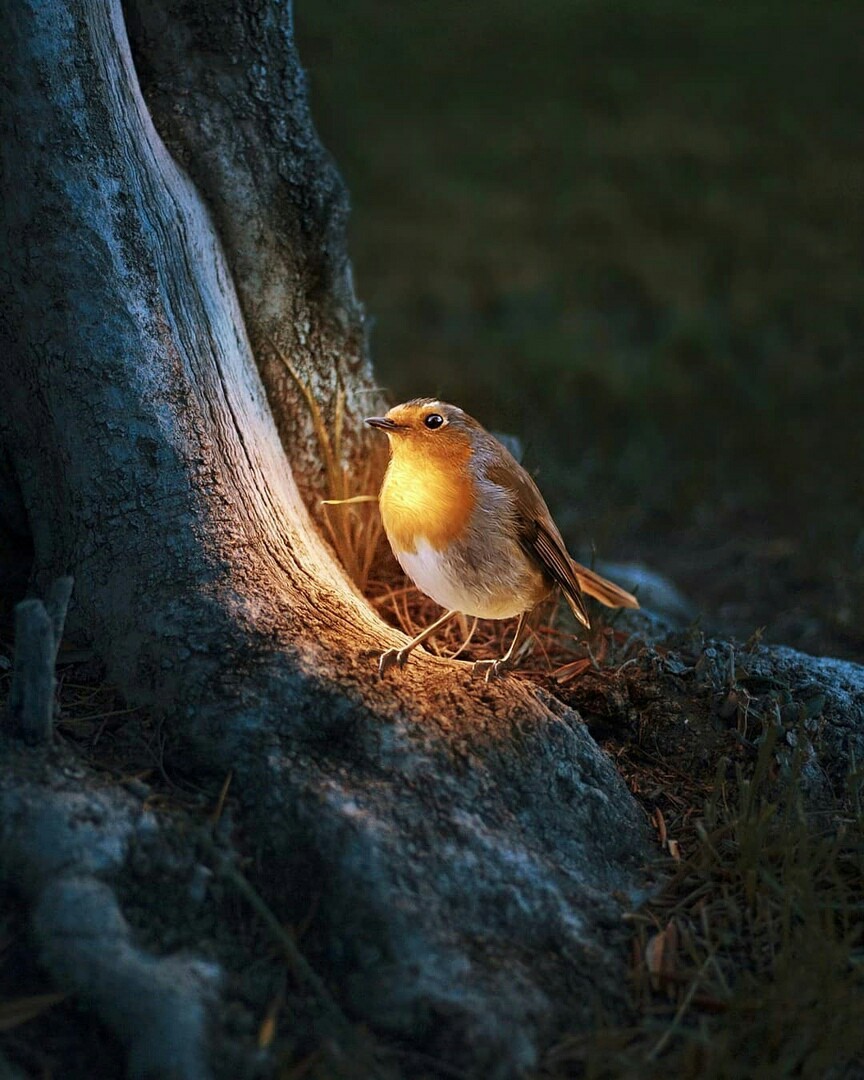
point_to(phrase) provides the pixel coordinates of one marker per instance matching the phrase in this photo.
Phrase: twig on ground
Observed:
(31, 696)
(38, 630)
(297, 963)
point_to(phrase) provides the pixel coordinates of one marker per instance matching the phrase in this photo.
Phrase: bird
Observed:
(468, 525)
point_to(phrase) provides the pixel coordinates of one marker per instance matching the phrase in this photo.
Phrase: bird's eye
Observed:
(434, 420)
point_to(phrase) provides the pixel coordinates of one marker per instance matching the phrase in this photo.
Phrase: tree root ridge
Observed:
(461, 873)
(60, 846)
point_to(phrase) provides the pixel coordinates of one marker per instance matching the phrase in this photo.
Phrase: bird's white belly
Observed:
(439, 576)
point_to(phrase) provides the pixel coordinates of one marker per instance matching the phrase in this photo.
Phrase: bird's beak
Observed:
(383, 422)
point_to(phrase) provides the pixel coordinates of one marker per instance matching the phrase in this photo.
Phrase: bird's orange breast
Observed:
(427, 497)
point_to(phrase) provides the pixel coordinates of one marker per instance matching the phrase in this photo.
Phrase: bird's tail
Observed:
(607, 592)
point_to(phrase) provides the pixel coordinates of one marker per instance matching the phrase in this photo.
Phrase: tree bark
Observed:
(228, 96)
(466, 840)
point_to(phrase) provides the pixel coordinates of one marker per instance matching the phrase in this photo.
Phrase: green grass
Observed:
(629, 233)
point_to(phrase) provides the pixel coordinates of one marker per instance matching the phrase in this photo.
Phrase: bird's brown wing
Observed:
(538, 533)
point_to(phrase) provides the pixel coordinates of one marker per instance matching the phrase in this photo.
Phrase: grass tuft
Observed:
(749, 960)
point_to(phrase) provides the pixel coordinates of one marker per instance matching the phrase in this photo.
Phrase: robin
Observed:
(470, 528)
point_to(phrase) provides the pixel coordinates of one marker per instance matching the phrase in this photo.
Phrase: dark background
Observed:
(632, 235)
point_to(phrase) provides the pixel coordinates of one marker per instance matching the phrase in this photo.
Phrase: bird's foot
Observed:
(493, 669)
(392, 658)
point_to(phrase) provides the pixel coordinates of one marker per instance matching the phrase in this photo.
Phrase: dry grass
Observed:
(556, 646)
(748, 961)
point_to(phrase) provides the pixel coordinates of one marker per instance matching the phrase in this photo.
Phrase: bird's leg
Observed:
(400, 656)
(494, 668)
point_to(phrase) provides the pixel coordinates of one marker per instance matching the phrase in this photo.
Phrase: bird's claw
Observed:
(494, 669)
(391, 658)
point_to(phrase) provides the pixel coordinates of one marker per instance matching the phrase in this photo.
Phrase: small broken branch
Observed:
(38, 630)
(31, 697)
(352, 1040)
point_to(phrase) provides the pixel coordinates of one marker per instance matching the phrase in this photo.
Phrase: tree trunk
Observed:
(465, 840)
(228, 96)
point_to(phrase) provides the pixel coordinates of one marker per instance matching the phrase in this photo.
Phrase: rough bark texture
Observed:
(226, 91)
(465, 841)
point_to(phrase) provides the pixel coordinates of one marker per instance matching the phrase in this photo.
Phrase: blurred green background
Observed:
(633, 235)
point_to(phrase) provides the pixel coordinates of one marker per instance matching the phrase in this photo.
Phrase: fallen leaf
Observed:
(572, 671)
(220, 802)
(659, 824)
(267, 1031)
(661, 955)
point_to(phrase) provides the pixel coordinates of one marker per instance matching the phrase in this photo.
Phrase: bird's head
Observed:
(427, 427)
